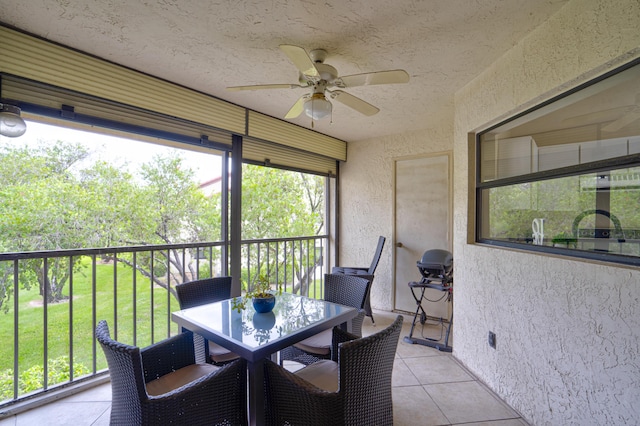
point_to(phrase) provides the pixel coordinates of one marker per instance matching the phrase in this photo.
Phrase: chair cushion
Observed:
(178, 378)
(220, 354)
(323, 374)
(319, 344)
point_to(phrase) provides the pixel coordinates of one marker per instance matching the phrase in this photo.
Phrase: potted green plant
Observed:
(262, 297)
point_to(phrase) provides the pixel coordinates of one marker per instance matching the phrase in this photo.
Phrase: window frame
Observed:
(609, 164)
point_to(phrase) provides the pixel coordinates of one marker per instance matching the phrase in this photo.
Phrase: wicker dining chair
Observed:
(367, 272)
(199, 292)
(161, 384)
(345, 290)
(354, 388)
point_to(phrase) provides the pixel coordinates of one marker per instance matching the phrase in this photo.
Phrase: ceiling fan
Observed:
(320, 77)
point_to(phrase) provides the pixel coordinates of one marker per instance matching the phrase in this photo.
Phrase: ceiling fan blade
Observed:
(353, 102)
(265, 86)
(623, 121)
(297, 108)
(300, 59)
(371, 78)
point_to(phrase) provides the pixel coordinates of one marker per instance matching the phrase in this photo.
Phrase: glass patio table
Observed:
(256, 337)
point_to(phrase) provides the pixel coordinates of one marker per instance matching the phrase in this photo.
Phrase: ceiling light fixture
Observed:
(317, 107)
(11, 124)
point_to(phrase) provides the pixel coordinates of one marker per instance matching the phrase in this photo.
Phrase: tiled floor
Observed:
(429, 388)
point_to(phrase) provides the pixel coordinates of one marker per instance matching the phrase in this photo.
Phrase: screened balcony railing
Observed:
(52, 301)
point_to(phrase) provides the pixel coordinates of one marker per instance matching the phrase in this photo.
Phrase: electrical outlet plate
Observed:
(492, 339)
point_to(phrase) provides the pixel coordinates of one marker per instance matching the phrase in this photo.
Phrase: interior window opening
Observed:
(566, 176)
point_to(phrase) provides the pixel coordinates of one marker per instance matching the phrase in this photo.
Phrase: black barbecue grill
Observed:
(436, 268)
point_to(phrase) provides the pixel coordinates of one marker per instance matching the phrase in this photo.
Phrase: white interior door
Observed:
(422, 216)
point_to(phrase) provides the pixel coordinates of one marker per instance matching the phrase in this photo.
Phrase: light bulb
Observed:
(318, 107)
(11, 124)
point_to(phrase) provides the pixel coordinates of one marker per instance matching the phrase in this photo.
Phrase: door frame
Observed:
(395, 160)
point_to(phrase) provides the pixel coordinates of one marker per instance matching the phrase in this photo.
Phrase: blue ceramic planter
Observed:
(264, 305)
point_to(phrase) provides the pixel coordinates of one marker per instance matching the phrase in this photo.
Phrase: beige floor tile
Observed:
(510, 422)
(409, 350)
(428, 331)
(469, 402)
(413, 406)
(98, 393)
(437, 369)
(64, 414)
(9, 421)
(402, 376)
(383, 320)
(104, 419)
(429, 388)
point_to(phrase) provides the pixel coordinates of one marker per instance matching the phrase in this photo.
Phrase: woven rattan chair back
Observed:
(199, 292)
(366, 366)
(220, 397)
(364, 272)
(127, 377)
(364, 396)
(377, 255)
(348, 290)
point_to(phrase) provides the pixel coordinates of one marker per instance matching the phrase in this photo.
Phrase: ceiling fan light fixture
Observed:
(11, 124)
(317, 107)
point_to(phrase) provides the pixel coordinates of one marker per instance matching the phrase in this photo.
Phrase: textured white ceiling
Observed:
(209, 45)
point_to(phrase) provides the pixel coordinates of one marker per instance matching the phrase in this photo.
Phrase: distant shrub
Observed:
(33, 378)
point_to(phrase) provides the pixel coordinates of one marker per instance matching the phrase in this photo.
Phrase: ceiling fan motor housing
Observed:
(318, 56)
(327, 74)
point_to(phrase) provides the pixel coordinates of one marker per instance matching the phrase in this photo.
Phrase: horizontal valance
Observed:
(269, 154)
(264, 127)
(39, 99)
(39, 72)
(49, 63)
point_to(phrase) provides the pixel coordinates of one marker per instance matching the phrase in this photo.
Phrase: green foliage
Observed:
(561, 202)
(59, 371)
(564, 238)
(277, 204)
(30, 318)
(39, 205)
(50, 200)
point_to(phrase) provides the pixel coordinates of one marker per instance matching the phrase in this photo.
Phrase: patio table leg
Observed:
(255, 372)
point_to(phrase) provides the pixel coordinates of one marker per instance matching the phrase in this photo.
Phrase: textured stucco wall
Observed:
(568, 331)
(366, 206)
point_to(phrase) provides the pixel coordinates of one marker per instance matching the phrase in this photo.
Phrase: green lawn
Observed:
(75, 318)
(80, 309)
(31, 318)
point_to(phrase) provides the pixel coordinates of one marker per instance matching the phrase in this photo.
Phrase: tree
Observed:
(168, 208)
(51, 199)
(47, 202)
(32, 216)
(276, 204)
